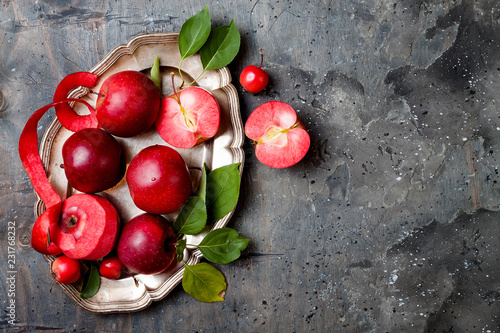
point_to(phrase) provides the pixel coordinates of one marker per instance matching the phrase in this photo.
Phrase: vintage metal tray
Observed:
(225, 148)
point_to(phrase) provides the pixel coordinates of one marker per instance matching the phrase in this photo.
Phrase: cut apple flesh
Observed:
(88, 228)
(65, 114)
(188, 117)
(280, 137)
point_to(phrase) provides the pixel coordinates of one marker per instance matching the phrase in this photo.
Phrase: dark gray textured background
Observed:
(391, 221)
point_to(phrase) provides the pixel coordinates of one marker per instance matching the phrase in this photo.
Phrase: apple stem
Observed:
(261, 57)
(95, 93)
(173, 86)
(133, 277)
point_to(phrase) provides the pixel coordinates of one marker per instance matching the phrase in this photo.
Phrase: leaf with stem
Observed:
(221, 47)
(204, 282)
(194, 33)
(222, 246)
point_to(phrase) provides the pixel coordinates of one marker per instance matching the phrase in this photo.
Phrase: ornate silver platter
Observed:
(225, 148)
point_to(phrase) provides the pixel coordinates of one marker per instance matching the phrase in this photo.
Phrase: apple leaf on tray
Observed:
(91, 283)
(155, 73)
(223, 189)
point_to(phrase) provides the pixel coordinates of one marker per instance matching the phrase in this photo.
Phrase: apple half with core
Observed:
(280, 137)
(188, 117)
(147, 244)
(88, 228)
(158, 180)
(93, 160)
(128, 104)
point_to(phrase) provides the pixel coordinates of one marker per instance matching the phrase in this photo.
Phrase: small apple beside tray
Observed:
(125, 295)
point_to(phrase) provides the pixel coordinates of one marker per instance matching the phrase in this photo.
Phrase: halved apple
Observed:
(188, 117)
(280, 137)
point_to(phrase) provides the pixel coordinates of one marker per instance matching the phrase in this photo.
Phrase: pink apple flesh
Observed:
(188, 118)
(88, 228)
(280, 137)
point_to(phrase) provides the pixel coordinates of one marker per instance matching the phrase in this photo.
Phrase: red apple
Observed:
(158, 180)
(111, 267)
(147, 244)
(93, 160)
(88, 228)
(188, 117)
(280, 137)
(66, 270)
(128, 103)
(254, 79)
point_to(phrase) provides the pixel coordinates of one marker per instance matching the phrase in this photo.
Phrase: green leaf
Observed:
(223, 245)
(179, 249)
(202, 189)
(223, 189)
(155, 72)
(204, 282)
(91, 282)
(192, 217)
(221, 47)
(194, 33)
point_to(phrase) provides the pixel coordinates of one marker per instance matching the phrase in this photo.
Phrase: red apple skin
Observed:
(280, 137)
(188, 118)
(254, 79)
(111, 267)
(88, 228)
(66, 270)
(93, 160)
(128, 104)
(42, 228)
(158, 180)
(147, 244)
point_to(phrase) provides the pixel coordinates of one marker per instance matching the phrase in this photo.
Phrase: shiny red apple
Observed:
(158, 180)
(147, 244)
(111, 267)
(128, 103)
(93, 160)
(66, 270)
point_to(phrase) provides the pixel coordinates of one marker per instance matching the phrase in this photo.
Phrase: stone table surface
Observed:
(389, 224)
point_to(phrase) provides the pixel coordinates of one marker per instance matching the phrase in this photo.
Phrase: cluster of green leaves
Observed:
(217, 47)
(217, 196)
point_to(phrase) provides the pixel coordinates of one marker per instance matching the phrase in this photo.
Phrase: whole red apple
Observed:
(147, 244)
(128, 103)
(93, 160)
(111, 267)
(66, 270)
(158, 180)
